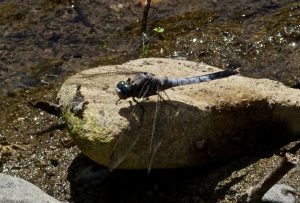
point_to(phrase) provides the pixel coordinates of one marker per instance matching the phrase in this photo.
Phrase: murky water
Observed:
(43, 42)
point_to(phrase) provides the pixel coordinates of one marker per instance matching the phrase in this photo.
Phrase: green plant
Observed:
(146, 41)
(145, 49)
(158, 30)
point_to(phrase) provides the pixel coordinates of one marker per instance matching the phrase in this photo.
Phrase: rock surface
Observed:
(280, 193)
(203, 123)
(19, 190)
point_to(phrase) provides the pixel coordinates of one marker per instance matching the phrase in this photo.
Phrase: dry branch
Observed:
(256, 193)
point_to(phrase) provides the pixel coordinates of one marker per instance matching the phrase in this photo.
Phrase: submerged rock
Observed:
(19, 190)
(202, 123)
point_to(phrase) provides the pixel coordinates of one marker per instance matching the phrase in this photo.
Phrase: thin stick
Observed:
(145, 17)
(287, 163)
(145, 40)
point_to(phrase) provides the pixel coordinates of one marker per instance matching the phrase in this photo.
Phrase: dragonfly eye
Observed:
(123, 90)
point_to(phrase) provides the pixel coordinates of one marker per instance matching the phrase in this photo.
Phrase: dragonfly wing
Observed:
(124, 144)
(111, 73)
(127, 140)
(158, 128)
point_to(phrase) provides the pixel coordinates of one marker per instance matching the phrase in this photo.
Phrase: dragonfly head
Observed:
(123, 90)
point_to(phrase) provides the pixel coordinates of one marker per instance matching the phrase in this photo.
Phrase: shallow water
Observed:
(43, 42)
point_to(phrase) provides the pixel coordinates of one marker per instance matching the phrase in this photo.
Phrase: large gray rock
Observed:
(14, 189)
(203, 123)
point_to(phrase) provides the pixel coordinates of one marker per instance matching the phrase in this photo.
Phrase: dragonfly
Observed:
(142, 86)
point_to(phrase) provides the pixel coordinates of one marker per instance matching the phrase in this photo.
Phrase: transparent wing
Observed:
(127, 140)
(158, 130)
(124, 144)
(111, 73)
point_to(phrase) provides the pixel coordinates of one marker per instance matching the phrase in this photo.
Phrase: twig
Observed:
(21, 147)
(145, 40)
(145, 17)
(49, 107)
(256, 193)
(292, 147)
(15, 146)
(56, 126)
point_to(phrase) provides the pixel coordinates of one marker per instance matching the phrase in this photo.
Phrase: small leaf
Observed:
(159, 29)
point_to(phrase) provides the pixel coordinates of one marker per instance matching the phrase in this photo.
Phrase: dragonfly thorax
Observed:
(124, 90)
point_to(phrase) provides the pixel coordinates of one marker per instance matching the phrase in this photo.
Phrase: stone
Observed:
(19, 190)
(280, 193)
(202, 123)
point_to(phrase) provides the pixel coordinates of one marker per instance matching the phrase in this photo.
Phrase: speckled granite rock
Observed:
(212, 121)
(19, 190)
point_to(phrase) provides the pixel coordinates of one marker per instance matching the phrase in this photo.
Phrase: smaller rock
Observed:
(280, 193)
(19, 190)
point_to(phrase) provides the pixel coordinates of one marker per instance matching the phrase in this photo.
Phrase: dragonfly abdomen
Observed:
(173, 82)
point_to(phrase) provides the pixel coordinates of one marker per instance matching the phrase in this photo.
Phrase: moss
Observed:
(186, 23)
(92, 139)
(46, 64)
(88, 126)
(44, 67)
(13, 14)
(277, 24)
(51, 5)
(109, 59)
(6, 12)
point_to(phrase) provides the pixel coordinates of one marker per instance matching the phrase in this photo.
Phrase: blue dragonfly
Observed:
(142, 86)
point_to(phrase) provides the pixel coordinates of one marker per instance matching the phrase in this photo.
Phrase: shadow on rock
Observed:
(91, 182)
(206, 136)
(257, 134)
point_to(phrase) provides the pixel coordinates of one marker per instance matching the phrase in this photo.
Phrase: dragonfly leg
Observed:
(163, 99)
(166, 101)
(166, 95)
(118, 101)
